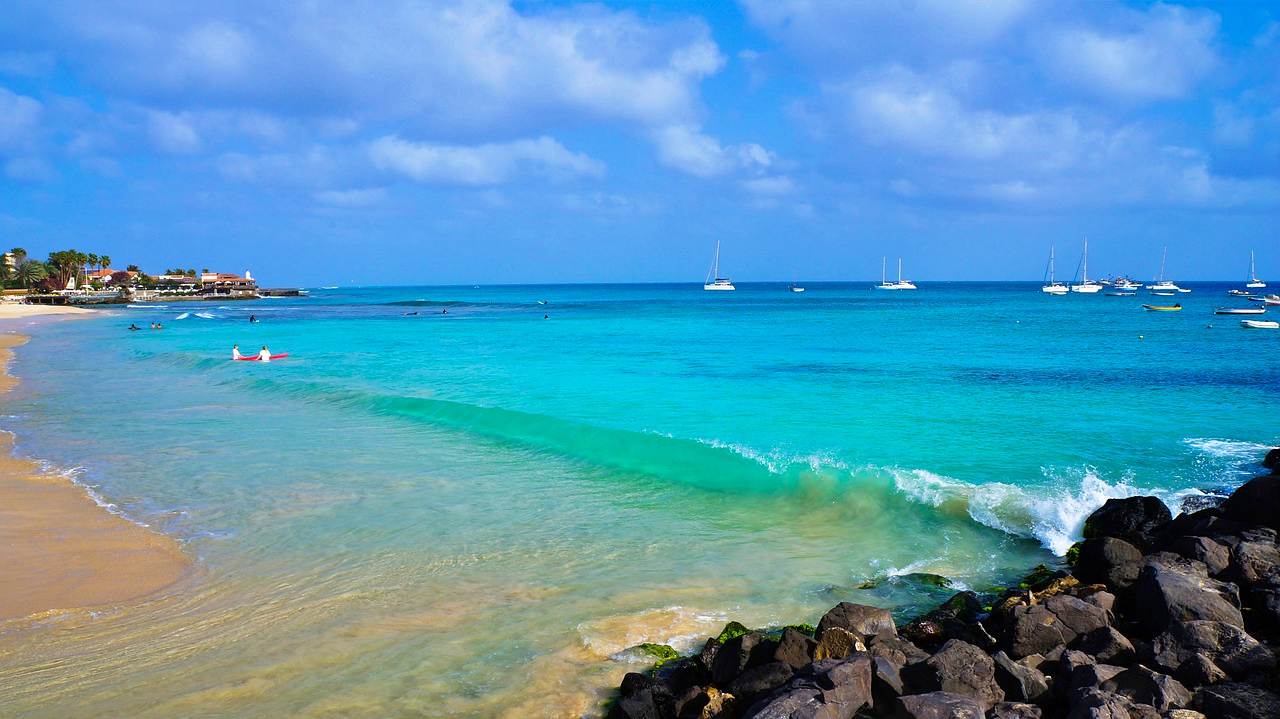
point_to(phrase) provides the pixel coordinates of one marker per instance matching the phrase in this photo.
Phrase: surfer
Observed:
(410, 314)
(253, 318)
(235, 352)
(133, 327)
(264, 355)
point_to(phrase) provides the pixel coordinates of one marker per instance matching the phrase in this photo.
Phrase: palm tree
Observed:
(6, 273)
(30, 272)
(18, 253)
(105, 260)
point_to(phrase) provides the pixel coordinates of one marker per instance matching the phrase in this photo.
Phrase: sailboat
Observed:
(901, 284)
(1053, 288)
(1163, 287)
(1086, 287)
(714, 281)
(1254, 282)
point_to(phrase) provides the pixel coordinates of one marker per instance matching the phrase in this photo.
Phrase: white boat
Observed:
(885, 284)
(1239, 293)
(796, 288)
(1122, 293)
(1240, 311)
(1086, 287)
(1271, 300)
(1054, 287)
(1260, 324)
(1124, 283)
(1254, 282)
(714, 281)
(1162, 286)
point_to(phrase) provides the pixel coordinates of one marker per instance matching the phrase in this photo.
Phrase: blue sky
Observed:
(467, 142)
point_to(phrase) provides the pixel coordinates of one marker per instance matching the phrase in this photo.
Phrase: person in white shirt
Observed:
(264, 355)
(235, 352)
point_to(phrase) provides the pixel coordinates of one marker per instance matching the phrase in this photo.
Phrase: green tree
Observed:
(30, 272)
(132, 268)
(6, 274)
(105, 260)
(18, 253)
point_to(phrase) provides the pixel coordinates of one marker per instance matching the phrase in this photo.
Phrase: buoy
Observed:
(1141, 337)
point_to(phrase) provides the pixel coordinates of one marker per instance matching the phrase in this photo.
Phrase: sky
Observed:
(486, 141)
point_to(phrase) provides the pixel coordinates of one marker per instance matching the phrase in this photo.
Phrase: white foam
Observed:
(1228, 448)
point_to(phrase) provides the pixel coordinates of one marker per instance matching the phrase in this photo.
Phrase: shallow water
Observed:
(470, 513)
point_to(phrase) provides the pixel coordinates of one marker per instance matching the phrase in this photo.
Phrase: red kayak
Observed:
(255, 358)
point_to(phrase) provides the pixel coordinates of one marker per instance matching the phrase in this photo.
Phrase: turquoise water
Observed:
(473, 513)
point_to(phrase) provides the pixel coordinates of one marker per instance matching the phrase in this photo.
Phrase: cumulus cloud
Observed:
(484, 164)
(688, 149)
(172, 133)
(358, 197)
(19, 120)
(1157, 55)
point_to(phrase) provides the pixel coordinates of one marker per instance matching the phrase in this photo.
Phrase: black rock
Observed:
(1097, 704)
(1020, 682)
(1133, 519)
(795, 649)
(896, 649)
(1080, 616)
(886, 683)
(938, 705)
(1215, 556)
(860, 619)
(707, 656)
(802, 703)
(1226, 645)
(1255, 502)
(1034, 630)
(681, 674)
(739, 654)
(1143, 686)
(1255, 563)
(828, 689)
(1014, 710)
(641, 697)
(1107, 645)
(757, 681)
(1237, 701)
(1108, 560)
(1200, 670)
(1170, 594)
(959, 668)
(1272, 460)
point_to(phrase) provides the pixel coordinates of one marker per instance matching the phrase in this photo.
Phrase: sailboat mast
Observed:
(884, 263)
(1253, 274)
(715, 271)
(1051, 264)
(1163, 256)
(1084, 271)
(899, 270)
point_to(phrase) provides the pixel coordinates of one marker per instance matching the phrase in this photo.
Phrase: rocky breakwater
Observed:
(1156, 618)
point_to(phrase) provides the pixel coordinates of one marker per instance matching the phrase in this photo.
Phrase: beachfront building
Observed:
(216, 284)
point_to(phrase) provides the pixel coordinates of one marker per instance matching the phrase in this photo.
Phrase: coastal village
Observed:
(74, 277)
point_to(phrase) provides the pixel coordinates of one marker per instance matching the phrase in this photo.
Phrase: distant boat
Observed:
(901, 284)
(1122, 293)
(1086, 287)
(1254, 282)
(1163, 287)
(1239, 293)
(714, 281)
(1053, 287)
(1260, 324)
(1162, 308)
(795, 288)
(1124, 283)
(1240, 310)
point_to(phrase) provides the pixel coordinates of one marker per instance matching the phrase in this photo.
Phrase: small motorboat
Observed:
(1260, 324)
(1122, 293)
(1271, 300)
(1239, 293)
(1240, 310)
(1162, 308)
(1163, 294)
(796, 288)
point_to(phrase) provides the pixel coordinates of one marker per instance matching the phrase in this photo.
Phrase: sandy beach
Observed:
(15, 310)
(62, 550)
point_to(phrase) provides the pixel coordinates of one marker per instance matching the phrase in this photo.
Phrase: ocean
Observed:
(444, 504)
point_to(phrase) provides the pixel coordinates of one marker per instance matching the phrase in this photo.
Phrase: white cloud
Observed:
(172, 133)
(19, 120)
(485, 164)
(1158, 55)
(688, 149)
(360, 197)
(775, 185)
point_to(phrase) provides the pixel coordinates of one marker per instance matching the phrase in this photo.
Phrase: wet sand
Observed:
(61, 550)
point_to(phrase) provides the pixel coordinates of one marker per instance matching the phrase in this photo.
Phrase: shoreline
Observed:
(1151, 616)
(17, 310)
(63, 550)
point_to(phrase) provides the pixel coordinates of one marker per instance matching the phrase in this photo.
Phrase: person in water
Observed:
(264, 355)
(253, 318)
(235, 352)
(133, 327)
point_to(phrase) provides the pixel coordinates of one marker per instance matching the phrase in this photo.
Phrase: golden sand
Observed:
(59, 549)
(10, 310)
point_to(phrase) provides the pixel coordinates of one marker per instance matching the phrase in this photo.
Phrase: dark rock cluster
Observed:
(1157, 618)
